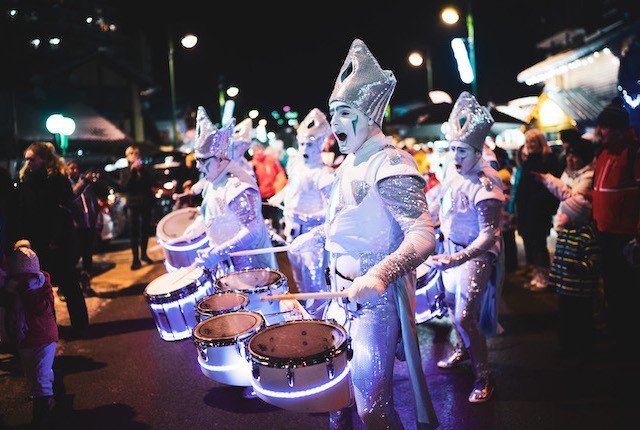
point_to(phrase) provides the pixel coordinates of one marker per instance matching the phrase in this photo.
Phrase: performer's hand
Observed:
(440, 262)
(208, 258)
(365, 287)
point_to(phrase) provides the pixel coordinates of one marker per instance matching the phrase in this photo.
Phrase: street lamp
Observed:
(451, 16)
(63, 127)
(416, 59)
(188, 41)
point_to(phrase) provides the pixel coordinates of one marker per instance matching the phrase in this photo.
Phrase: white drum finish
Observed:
(429, 294)
(221, 344)
(220, 302)
(171, 227)
(302, 365)
(172, 298)
(256, 283)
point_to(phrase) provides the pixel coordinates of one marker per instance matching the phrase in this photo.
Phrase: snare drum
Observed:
(180, 253)
(256, 283)
(221, 344)
(429, 294)
(220, 302)
(302, 365)
(172, 298)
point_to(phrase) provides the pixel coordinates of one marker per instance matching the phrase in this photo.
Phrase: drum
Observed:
(220, 302)
(429, 294)
(221, 344)
(256, 283)
(302, 365)
(172, 298)
(180, 253)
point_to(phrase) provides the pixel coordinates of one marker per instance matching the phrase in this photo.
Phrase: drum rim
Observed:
(310, 360)
(180, 293)
(227, 341)
(162, 238)
(282, 280)
(212, 312)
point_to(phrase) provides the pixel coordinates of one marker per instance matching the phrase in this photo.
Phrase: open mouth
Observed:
(305, 156)
(341, 137)
(458, 166)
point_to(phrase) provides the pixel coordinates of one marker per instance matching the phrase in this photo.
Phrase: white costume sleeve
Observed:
(244, 206)
(404, 197)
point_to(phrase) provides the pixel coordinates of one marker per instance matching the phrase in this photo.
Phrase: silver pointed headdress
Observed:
(469, 122)
(211, 141)
(241, 140)
(314, 127)
(363, 84)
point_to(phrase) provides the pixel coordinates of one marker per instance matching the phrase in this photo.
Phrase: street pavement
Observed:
(121, 375)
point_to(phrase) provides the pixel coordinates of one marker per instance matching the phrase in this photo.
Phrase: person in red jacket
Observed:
(27, 294)
(271, 178)
(616, 210)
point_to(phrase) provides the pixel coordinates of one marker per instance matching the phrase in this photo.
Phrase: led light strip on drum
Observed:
(303, 393)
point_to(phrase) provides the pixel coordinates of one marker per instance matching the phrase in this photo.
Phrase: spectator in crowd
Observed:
(535, 206)
(304, 201)
(85, 210)
(27, 295)
(575, 269)
(44, 197)
(616, 210)
(7, 201)
(472, 264)
(137, 182)
(378, 230)
(507, 217)
(567, 136)
(271, 178)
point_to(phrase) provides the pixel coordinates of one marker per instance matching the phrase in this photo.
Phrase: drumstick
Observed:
(303, 296)
(259, 251)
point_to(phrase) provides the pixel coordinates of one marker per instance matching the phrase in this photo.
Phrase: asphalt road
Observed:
(122, 375)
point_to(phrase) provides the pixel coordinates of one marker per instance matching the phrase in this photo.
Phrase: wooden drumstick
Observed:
(259, 251)
(303, 296)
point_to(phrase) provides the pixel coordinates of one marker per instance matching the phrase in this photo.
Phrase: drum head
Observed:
(221, 301)
(295, 342)
(175, 223)
(173, 281)
(248, 279)
(228, 327)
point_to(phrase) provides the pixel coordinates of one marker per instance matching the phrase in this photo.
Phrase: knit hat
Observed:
(577, 209)
(23, 259)
(569, 135)
(614, 116)
(583, 149)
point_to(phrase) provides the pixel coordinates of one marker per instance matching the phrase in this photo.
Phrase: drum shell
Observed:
(221, 302)
(173, 225)
(174, 311)
(224, 359)
(295, 384)
(429, 295)
(271, 282)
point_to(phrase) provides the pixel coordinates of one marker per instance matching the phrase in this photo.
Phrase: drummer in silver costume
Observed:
(305, 200)
(470, 222)
(231, 206)
(378, 230)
